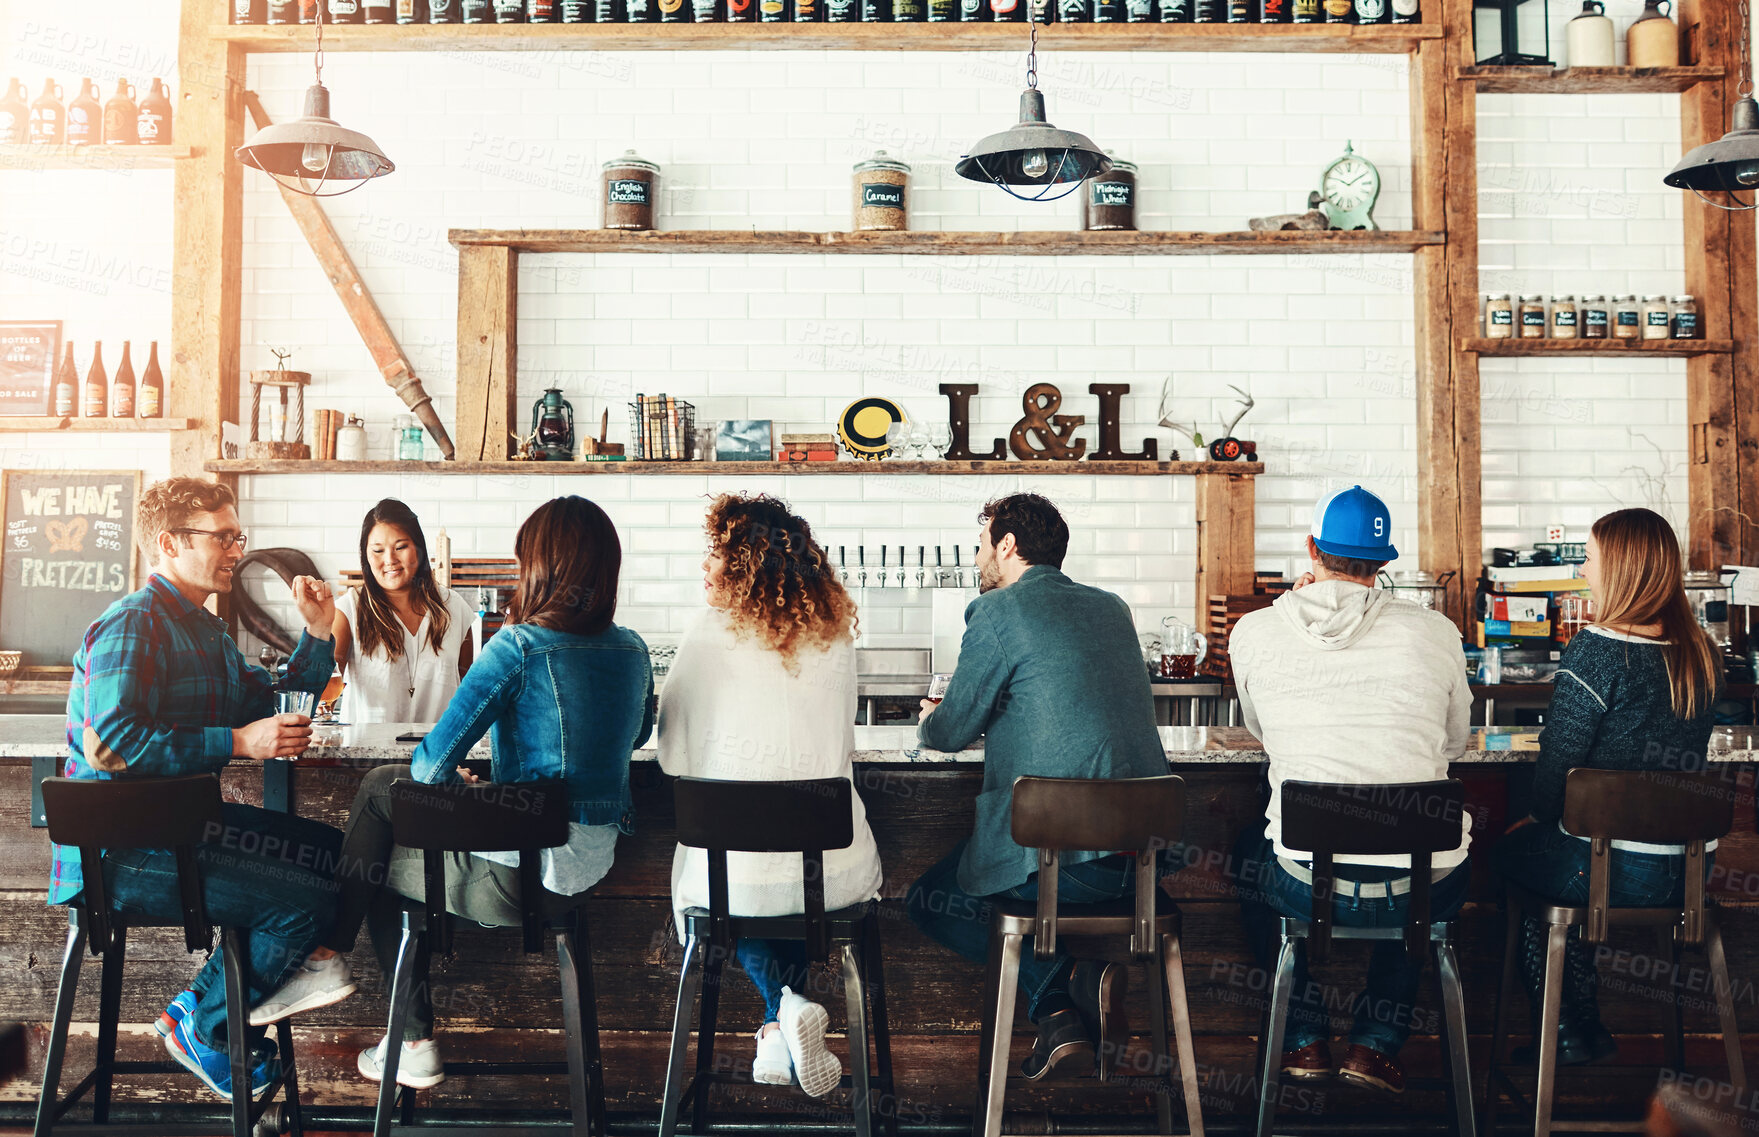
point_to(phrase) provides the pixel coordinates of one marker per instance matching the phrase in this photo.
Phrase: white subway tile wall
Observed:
(1570, 197)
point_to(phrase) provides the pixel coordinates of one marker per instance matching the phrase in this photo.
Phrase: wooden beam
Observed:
(1226, 525)
(488, 353)
(890, 467)
(1444, 178)
(1722, 405)
(362, 309)
(1587, 80)
(1597, 347)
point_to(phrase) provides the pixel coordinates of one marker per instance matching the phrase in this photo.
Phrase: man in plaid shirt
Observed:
(161, 690)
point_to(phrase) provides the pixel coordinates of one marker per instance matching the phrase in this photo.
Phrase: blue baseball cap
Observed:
(1354, 523)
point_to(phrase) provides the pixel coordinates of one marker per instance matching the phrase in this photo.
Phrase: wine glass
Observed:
(940, 439)
(898, 438)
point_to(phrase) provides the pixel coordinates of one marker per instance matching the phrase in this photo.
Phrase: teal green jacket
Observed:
(1051, 676)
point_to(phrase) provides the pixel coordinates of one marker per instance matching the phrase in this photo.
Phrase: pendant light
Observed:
(1730, 163)
(312, 146)
(1033, 152)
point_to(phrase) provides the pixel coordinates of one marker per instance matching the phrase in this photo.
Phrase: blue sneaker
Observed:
(213, 1068)
(180, 1008)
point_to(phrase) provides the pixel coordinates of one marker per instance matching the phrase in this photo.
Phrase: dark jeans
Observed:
(267, 872)
(772, 965)
(1544, 859)
(1383, 1012)
(955, 919)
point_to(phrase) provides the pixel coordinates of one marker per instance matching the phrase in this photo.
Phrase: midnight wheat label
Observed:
(629, 191)
(882, 196)
(1113, 193)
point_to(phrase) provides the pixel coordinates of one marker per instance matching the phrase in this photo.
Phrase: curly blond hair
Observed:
(779, 584)
(169, 505)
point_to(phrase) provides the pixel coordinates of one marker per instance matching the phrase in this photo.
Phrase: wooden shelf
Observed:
(1587, 80)
(96, 425)
(884, 468)
(111, 159)
(1373, 39)
(945, 243)
(1598, 347)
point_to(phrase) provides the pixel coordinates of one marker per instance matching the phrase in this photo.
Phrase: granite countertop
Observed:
(31, 736)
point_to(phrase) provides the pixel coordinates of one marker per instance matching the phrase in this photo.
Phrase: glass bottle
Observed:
(1563, 317)
(97, 390)
(154, 120)
(85, 116)
(122, 116)
(1685, 319)
(48, 116)
(66, 385)
(1532, 317)
(1499, 316)
(1596, 318)
(1627, 318)
(15, 113)
(122, 387)
(150, 403)
(1657, 320)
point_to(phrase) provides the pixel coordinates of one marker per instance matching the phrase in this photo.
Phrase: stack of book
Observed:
(664, 428)
(808, 448)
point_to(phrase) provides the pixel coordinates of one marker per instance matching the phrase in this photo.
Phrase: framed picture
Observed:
(28, 350)
(744, 440)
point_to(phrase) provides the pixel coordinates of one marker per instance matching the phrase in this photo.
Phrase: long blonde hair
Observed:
(1640, 583)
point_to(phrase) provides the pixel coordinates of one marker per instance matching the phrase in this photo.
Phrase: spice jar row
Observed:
(1531, 317)
(832, 11)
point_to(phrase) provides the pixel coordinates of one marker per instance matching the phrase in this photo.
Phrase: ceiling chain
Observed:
(1745, 87)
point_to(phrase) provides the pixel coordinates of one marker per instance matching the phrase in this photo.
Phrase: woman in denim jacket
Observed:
(566, 694)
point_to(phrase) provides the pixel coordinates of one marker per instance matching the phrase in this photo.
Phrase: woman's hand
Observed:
(1302, 581)
(317, 607)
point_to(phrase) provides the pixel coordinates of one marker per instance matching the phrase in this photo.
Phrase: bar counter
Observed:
(494, 1002)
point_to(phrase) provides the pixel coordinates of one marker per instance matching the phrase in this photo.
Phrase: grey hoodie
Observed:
(1344, 683)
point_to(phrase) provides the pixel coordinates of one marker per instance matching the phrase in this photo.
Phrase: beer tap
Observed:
(958, 570)
(921, 554)
(901, 581)
(882, 582)
(842, 566)
(940, 572)
(861, 566)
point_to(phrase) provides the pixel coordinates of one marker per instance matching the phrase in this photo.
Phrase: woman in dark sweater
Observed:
(1633, 693)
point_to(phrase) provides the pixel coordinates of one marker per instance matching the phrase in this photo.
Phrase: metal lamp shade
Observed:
(1002, 158)
(1730, 163)
(279, 149)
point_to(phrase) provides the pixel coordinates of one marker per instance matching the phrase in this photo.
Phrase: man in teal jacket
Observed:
(1050, 674)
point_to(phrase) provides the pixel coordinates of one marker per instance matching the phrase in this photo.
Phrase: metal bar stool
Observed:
(486, 817)
(1053, 815)
(805, 817)
(1660, 807)
(147, 813)
(1415, 819)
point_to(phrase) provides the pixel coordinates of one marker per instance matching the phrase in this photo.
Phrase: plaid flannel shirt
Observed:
(158, 686)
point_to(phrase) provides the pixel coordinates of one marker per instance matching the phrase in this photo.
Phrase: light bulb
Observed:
(315, 156)
(1747, 173)
(1034, 164)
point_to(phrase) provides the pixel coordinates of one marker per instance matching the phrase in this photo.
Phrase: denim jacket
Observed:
(561, 706)
(1051, 675)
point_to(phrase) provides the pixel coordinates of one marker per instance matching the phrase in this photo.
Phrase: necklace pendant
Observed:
(412, 692)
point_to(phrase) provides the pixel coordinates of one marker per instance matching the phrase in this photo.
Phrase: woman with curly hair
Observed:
(763, 689)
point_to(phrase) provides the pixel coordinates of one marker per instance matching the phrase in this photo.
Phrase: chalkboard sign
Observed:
(68, 555)
(27, 365)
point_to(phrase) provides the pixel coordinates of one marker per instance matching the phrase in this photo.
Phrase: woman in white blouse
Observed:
(402, 641)
(763, 689)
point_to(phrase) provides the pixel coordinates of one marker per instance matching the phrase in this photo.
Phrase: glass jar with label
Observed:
(1685, 318)
(1532, 316)
(1563, 317)
(882, 186)
(1627, 318)
(1499, 316)
(1109, 201)
(631, 186)
(1657, 320)
(1596, 318)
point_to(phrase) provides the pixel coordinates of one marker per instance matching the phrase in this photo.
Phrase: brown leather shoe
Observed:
(1310, 1062)
(1099, 991)
(1366, 1066)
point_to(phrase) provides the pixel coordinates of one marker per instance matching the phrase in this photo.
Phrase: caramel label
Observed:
(882, 196)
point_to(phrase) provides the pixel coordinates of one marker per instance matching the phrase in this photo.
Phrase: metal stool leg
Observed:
(109, 1011)
(1270, 1077)
(1004, 950)
(1157, 1031)
(1499, 1031)
(574, 1041)
(708, 1012)
(402, 984)
(855, 995)
(1172, 956)
(986, 1035)
(50, 1099)
(1673, 1013)
(1725, 1008)
(1453, 1002)
(237, 1033)
(689, 983)
(1556, 938)
(290, 1077)
(581, 947)
(872, 961)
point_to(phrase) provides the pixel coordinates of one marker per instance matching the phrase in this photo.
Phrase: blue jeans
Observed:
(1384, 1011)
(772, 965)
(1544, 859)
(267, 872)
(955, 919)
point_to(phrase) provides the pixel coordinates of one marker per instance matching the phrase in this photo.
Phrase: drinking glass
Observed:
(897, 437)
(1182, 648)
(918, 441)
(295, 703)
(940, 439)
(1573, 614)
(937, 686)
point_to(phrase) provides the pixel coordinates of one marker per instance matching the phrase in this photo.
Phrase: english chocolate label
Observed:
(881, 195)
(1112, 193)
(629, 191)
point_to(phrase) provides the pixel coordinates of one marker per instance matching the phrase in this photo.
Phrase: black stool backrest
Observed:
(1137, 815)
(1659, 807)
(1404, 818)
(806, 817)
(485, 817)
(137, 813)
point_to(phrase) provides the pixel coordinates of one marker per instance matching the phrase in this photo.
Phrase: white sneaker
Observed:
(803, 1025)
(419, 1068)
(772, 1067)
(312, 985)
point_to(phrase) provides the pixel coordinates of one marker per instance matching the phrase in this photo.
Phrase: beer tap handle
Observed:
(901, 581)
(921, 564)
(882, 582)
(958, 570)
(842, 565)
(861, 566)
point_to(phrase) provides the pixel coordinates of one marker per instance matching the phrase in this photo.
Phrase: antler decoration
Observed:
(1166, 414)
(1246, 405)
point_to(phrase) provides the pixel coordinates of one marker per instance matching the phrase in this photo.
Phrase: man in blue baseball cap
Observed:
(1344, 683)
